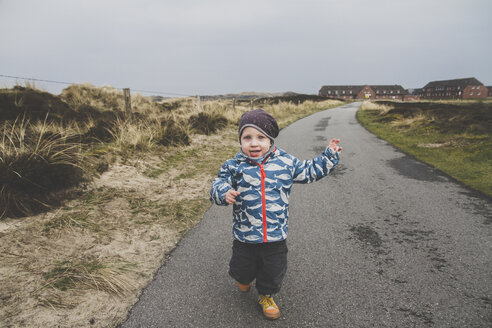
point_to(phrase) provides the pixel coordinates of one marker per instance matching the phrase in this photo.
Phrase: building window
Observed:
(343, 91)
(471, 93)
(479, 93)
(329, 92)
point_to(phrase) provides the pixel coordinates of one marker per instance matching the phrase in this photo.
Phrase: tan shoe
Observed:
(270, 309)
(244, 288)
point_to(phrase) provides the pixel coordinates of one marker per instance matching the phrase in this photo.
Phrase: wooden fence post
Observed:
(128, 100)
(233, 103)
(251, 104)
(198, 106)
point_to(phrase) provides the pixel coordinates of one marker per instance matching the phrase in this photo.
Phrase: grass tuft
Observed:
(91, 274)
(172, 133)
(34, 166)
(207, 123)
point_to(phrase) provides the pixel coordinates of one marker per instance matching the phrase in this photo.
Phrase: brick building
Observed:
(469, 88)
(395, 92)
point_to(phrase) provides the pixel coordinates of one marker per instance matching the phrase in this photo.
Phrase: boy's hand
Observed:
(334, 145)
(231, 195)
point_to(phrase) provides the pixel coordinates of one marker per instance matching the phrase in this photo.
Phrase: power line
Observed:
(69, 83)
(33, 79)
(163, 93)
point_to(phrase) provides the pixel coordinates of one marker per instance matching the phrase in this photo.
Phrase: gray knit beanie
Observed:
(261, 120)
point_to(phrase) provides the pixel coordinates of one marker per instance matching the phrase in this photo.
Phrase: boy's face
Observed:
(254, 143)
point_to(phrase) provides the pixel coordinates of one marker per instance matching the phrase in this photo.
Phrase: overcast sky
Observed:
(224, 46)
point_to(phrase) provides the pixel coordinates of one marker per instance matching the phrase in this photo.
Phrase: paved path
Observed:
(386, 241)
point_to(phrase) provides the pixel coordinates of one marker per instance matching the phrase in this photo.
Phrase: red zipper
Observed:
(263, 197)
(263, 202)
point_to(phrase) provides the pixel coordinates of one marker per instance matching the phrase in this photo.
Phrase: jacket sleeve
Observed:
(314, 169)
(221, 185)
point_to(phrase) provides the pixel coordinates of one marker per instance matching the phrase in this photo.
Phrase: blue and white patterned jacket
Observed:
(261, 211)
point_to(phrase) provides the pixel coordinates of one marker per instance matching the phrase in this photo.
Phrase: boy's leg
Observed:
(243, 264)
(270, 274)
(273, 267)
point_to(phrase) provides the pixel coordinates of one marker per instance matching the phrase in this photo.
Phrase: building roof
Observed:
(357, 88)
(353, 88)
(454, 83)
(398, 88)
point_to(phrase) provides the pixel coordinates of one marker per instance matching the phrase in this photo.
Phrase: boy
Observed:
(257, 182)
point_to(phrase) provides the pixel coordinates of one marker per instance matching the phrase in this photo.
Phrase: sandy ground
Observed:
(84, 265)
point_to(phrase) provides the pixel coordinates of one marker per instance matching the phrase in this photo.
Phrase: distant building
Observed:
(469, 88)
(490, 90)
(416, 92)
(395, 92)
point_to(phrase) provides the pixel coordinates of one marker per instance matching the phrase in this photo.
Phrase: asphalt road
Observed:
(385, 241)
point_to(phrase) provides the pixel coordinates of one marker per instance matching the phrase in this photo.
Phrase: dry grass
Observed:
(374, 106)
(88, 274)
(35, 163)
(102, 127)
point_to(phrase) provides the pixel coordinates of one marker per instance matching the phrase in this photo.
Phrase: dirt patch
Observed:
(433, 145)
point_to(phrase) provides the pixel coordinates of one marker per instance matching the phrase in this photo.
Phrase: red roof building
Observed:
(469, 88)
(395, 92)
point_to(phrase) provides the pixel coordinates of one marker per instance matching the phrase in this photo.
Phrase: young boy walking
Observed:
(257, 182)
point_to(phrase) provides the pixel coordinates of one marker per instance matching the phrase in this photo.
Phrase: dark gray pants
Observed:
(265, 262)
